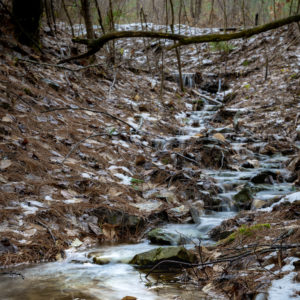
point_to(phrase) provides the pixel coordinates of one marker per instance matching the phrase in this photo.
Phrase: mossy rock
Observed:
(152, 257)
(244, 197)
(101, 260)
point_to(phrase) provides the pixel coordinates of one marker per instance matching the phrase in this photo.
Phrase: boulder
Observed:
(161, 237)
(118, 218)
(243, 198)
(152, 257)
(264, 177)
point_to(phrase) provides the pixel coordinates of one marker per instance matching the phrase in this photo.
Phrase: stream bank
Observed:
(80, 176)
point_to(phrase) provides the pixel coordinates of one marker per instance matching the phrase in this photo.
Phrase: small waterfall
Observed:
(188, 79)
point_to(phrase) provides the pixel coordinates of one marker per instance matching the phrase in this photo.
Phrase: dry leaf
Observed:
(219, 137)
(4, 164)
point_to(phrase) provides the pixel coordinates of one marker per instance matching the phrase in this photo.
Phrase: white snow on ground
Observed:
(126, 180)
(285, 287)
(288, 198)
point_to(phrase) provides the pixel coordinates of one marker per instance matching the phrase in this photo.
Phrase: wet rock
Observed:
(195, 215)
(294, 168)
(118, 218)
(256, 204)
(161, 237)
(214, 156)
(222, 231)
(250, 164)
(95, 229)
(179, 212)
(7, 247)
(168, 196)
(54, 85)
(198, 104)
(264, 177)
(244, 197)
(101, 260)
(152, 257)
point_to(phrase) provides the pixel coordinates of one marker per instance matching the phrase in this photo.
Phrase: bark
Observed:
(28, 16)
(96, 45)
(86, 12)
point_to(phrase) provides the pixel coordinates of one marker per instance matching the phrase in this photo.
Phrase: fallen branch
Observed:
(96, 45)
(48, 229)
(82, 141)
(91, 110)
(228, 258)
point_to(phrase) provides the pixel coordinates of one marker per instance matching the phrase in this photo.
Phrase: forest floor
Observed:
(83, 146)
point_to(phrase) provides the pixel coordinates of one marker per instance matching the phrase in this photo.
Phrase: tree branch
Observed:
(96, 45)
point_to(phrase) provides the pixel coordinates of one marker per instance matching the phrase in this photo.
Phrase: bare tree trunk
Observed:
(28, 16)
(192, 11)
(86, 12)
(177, 50)
(211, 11)
(112, 28)
(198, 9)
(138, 8)
(68, 17)
(99, 16)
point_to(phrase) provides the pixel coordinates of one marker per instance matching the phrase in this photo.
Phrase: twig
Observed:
(13, 274)
(48, 229)
(228, 258)
(81, 141)
(112, 85)
(187, 158)
(91, 110)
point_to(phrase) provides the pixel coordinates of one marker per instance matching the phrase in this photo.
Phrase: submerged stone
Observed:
(152, 257)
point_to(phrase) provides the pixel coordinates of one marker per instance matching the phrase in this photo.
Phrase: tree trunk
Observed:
(198, 9)
(27, 16)
(86, 12)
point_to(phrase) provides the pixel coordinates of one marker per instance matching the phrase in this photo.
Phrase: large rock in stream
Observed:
(161, 237)
(244, 197)
(152, 257)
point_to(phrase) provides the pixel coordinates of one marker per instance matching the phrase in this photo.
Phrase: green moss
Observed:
(221, 46)
(28, 92)
(244, 231)
(246, 63)
(165, 161)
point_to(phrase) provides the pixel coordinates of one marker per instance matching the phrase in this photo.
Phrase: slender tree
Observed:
(86, 12)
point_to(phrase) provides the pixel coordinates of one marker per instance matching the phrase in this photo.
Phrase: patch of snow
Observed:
(120, 167)
(284, 288)
(288, 198)
(269, 267)
(126, 180)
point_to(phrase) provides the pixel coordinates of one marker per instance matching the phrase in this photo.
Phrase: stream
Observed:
(77, 277)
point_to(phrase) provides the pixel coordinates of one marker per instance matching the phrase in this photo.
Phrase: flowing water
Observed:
(77, 277)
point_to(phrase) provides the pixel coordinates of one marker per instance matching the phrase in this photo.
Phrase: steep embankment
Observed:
(135, 156)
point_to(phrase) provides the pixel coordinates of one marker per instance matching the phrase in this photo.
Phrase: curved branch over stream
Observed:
(96, 45)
